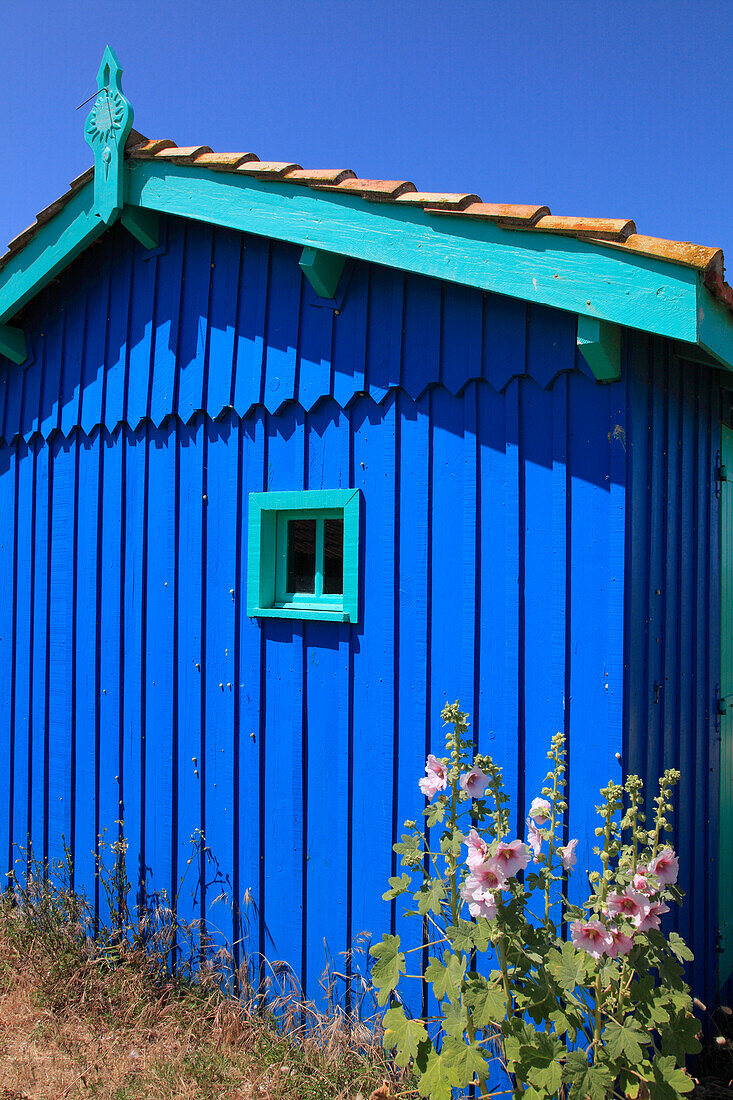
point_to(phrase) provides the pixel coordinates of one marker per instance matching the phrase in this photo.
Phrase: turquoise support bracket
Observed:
(143, 224)
(322, 270)
(599, 342)
(107, 127)
(12, 344)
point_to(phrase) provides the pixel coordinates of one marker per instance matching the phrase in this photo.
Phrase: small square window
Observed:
(303, 554)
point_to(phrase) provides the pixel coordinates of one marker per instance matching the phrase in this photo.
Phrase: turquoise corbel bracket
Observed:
(12, 344)
(106, 130)
(599, 342)
(322, 270)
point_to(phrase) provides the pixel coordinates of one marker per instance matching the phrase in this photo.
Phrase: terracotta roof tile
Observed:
(146, 150)
(268, 169)
(503, 212)
(377, 190)
(436, 200)
(181, 154)
(224, 162)
(308, 176)
(615, 229)
(678, 252)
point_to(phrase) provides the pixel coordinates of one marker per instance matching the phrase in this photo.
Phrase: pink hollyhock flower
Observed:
(478, 849)
(511, 857)
(437, 777)
(629, 904)
(474, 783)
(622, 943)
(541, 811)
(534, 837)
(590, 936)
(666, 867)
(567, 854)
(651, 919)
(485, 906)
(485, 877)
(644, 882)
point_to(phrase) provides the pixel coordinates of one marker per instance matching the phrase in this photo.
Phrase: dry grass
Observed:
(84, 1016)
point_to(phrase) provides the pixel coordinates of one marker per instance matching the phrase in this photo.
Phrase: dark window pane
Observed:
(301, 555)
(333, 557)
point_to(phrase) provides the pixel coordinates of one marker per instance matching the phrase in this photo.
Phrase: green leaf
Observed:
(487, 1002)
(437, 1080)
(625, 1040)
(463, 1060)
(569, 967)
(390, 963)
(410, 849)
(465, 935)
(670, 1080)
(397, 886)
(451, 842)
(680, 948)
(403, 1035)
(429, 896)
(680, 1037)
(435, 812)
(445, 977)
(591, 1082)
(546, 1078)
(455, 1019)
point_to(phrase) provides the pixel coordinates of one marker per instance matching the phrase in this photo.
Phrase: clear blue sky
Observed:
(617, 109)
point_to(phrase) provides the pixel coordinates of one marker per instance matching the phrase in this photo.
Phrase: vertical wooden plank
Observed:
(168, 293)
(218, 750)
(33, 366)
(411, 653)
(193, 341)
(85, 665)
(7, 598)
(118, 332)
(132, 643)
(73, 352)
(349, 338)
(505, 339)
(669, 731)
(514, 601)
(283, 315)
(159, 649)
(709, 851)
(656, 592)
(190, 658)
(91, 390)
(596, 602)
(326, 735)
(61, 614)
(140, 334)
(384, 332)
(48, 413)
(226, 264)
(111, 634)
(373, 428)
(282, 810)
(314, 352)
(251, 322)
(39, 647)
(542, 416)
(421, 338)
(20, 732)
(461, 337)
(250, 701)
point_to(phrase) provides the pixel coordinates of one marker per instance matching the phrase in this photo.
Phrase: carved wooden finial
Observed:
(106, 129)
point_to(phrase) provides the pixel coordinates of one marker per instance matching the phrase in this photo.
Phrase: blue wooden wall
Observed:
(162, 389)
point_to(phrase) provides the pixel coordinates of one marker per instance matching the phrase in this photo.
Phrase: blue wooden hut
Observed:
(290, 457)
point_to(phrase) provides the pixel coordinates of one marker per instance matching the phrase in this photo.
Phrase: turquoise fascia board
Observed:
(262, 556)
(563, 272)
(13, 344)
(715, 330)
(54, 245)
(599, 342)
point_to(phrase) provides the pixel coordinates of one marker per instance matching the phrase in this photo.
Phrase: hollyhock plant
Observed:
(567, 854)
(540, 811)
(592, 937)
(666, 867)
(557, 1016)
(474, 783)
(436, 777)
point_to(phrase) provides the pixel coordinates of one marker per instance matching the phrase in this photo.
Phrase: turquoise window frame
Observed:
(269, 514)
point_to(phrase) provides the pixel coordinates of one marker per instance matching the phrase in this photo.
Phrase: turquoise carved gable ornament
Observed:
(107, 127)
